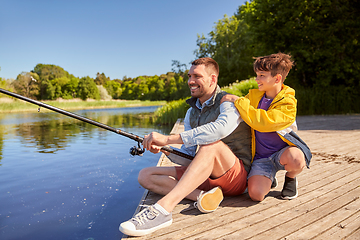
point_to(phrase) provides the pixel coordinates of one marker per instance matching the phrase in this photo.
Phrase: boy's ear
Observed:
(278, 78)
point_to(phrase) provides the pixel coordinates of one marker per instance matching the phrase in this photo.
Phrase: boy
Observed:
(270, 112)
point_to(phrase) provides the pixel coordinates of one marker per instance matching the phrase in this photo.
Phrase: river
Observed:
(61, 178)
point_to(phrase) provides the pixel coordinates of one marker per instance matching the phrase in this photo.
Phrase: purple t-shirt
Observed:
(267, 143)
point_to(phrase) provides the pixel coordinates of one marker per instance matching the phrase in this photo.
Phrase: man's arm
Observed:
(224, 125)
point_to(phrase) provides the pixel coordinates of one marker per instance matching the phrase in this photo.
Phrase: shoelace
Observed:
(146, 215)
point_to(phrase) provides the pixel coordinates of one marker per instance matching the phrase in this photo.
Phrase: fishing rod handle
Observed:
(174, 151)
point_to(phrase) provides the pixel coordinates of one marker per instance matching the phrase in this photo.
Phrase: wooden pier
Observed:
(328, 205)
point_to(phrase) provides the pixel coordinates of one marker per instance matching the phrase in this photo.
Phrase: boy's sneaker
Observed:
(209, 201)
(145, 222)
(274, 183)
(290, 188)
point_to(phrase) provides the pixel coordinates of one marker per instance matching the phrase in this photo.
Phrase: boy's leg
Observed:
(258, 187)
(293, 160)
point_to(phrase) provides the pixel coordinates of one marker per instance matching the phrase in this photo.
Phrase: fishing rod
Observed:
(133, 151)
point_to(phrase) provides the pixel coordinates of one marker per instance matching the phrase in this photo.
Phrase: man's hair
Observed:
(211, 66)
(277, 63)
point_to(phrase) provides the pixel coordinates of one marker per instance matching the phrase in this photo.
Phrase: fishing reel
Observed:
(137, 150)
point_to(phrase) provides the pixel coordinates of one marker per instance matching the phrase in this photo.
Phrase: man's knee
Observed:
(145, 176)
(216, 148)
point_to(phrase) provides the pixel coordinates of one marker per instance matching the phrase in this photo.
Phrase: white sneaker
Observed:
(145, 222)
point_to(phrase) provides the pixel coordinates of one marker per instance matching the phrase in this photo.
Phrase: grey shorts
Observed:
(267, 167)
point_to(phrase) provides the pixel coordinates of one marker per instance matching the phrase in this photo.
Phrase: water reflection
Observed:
(61, 178)
(51, 132)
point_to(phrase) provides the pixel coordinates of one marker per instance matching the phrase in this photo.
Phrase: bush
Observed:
(241, 88)
(329, 100)
(169, 113)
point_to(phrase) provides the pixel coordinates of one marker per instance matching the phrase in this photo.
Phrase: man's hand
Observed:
(154, 141)
(229, 98)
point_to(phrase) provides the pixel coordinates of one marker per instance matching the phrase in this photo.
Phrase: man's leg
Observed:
(162, 180)
(211, 160)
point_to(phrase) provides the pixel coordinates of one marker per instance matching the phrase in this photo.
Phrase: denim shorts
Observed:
(267, 167)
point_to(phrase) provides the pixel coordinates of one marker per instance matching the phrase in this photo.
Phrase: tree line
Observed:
(50, 82)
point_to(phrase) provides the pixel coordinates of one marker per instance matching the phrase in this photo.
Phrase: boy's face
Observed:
(265, 81)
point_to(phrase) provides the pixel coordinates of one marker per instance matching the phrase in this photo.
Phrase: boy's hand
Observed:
(229, 98)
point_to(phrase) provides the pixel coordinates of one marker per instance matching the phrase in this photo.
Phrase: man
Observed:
(219, 167)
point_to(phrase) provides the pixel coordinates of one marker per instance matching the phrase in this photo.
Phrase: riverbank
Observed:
(13, 105)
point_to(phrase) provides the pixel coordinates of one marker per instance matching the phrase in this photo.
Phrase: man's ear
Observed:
(278, 78)
(213, 79)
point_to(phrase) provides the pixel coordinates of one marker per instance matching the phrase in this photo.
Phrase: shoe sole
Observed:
(138, 233)
(275, 183)
(296, 195)
(210, 201)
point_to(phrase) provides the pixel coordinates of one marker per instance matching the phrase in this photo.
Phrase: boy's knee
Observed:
(294, 158)
(298, 161)
(256, 195)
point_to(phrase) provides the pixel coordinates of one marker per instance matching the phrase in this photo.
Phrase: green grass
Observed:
(11, 105)
(169, 113)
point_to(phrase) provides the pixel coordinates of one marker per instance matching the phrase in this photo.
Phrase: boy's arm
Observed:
(274, 119)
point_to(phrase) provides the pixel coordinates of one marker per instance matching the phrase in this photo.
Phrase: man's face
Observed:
(200, 83)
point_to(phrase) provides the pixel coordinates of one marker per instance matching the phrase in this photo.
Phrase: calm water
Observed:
(61, 178)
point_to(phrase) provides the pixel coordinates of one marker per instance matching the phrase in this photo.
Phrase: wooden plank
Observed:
(250, 221)
(342, 229)
(332, 219)
(314, 210)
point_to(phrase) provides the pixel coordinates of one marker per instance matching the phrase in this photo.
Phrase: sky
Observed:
(119, 38)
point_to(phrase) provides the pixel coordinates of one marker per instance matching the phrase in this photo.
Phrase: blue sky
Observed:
(118, 38)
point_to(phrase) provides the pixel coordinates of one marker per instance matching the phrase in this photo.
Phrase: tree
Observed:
(114, 89)
(101, 79)
(230, 45)
(26, 84)
(178, 68)
(70, 88)
(51, 79)
(87, 89)
(321, 35)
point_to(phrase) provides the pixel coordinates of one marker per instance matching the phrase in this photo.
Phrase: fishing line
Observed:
(133, 151)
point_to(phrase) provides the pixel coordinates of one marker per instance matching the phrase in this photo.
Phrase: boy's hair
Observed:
(277, 63)
(211, 65)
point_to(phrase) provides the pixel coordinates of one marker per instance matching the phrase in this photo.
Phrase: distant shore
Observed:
(9, 105)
